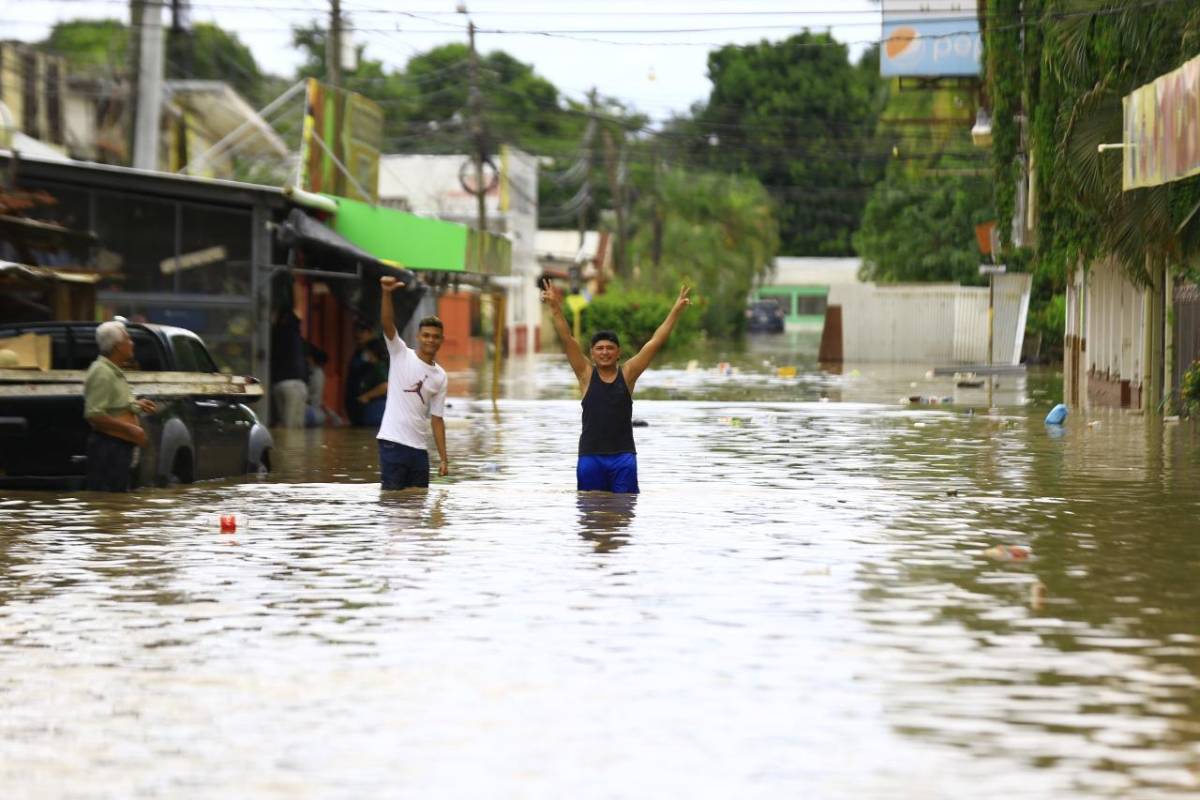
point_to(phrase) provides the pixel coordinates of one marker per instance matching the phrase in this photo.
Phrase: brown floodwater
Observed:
(800, 603)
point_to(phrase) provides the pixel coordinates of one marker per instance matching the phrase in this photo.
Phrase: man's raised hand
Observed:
(390, 284)
(551, 294)
(683, 299)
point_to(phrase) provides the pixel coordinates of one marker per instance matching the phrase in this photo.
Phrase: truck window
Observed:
(147, 353)
(190, 355)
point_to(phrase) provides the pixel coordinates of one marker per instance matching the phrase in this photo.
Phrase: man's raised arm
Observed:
(552, 297)
(387, 312)
(635, 366)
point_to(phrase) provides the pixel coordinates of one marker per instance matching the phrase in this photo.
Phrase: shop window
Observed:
(813, 304)
(137, 236)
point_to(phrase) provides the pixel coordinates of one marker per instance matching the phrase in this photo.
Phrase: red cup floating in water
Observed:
(228, 523)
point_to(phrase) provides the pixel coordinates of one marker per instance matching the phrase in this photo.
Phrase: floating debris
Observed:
(1057, 415)
(1008, 552)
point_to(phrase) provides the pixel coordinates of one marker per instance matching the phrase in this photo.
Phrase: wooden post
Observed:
(499, 309)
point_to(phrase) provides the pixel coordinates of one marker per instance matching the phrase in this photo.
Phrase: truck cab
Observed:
(200, 431)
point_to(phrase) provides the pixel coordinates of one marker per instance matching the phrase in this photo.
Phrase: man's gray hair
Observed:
(108, 335)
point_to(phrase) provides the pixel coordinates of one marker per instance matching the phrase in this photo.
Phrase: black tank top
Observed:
(607, 417)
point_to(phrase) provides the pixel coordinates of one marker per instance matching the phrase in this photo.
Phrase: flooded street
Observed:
(798, 605)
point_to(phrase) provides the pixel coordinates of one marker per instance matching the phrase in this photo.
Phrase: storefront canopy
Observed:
(420, 243)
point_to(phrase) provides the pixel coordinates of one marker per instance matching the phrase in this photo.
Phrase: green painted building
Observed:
(801, 286)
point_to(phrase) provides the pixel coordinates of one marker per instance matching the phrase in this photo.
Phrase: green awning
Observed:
(421, 242)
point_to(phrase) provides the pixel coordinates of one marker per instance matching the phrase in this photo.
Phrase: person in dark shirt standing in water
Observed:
(607, 457)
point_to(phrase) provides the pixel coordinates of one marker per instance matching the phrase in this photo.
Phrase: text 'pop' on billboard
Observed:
(930, 39)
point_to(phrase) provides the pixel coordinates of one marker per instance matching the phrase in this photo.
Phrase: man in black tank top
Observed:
(607, 457)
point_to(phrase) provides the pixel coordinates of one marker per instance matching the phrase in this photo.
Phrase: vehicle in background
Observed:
(764, 316)
(203, 428)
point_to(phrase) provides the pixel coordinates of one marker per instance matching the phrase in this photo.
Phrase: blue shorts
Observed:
(615, 473)
(401, 466)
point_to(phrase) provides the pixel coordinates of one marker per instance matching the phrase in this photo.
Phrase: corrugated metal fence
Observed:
(1187, 329)
(933, 323)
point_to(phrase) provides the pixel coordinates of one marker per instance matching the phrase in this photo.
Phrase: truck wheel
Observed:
(181, 468)
(261, 466)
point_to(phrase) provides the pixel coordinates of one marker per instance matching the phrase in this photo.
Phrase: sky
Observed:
(651, 55)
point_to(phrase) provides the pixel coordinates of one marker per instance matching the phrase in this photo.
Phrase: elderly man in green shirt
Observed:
(110, 408)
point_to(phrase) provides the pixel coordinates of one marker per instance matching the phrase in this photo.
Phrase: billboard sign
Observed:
(940, 40)
(1162, 129)
(340, 126)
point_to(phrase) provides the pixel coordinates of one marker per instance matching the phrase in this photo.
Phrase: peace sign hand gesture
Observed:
(683, 300)
(551, 295)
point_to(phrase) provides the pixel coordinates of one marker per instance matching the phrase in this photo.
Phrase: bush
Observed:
(1189, 390)
(635, 314)
(1049, 320)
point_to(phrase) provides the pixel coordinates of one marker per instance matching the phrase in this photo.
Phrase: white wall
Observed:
(932, 323)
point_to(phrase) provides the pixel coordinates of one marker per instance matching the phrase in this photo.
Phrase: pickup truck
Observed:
(202, 429)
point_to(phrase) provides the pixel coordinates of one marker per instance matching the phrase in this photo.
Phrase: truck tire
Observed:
(260, 466)
(183, 468)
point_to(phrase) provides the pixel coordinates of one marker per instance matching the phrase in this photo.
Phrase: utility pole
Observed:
(333, 44)
(499, 299)
(146, 16)
(477, 132)
(614, 160)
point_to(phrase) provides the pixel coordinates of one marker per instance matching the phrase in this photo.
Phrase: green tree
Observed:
(211, 53)
(800, 117)
(717, 232)
(923, 228)
(91, 45)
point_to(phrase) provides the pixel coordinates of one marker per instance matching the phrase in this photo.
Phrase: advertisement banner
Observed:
(340, 126)
(1162, 129)
(931, 48)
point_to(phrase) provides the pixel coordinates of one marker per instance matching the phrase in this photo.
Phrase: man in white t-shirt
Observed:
(416, 393)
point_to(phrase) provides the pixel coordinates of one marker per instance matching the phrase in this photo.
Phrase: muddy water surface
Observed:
(799, 604)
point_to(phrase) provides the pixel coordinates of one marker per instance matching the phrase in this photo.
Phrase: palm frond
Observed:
(1095, 118)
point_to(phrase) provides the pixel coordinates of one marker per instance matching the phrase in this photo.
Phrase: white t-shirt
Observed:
(415, 390)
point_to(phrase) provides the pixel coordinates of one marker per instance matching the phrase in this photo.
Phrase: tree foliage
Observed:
(635, 314)
(798, 116)
(923, 228)
(91, 46)
(212, 53)
(717, 232)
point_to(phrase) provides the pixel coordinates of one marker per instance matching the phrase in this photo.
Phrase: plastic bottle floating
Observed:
(228, 523)
(1008, 552)
(1057, 415)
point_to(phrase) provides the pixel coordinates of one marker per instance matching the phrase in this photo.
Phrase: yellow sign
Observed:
(1162, 129)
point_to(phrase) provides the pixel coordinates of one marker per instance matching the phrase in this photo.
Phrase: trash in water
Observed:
(489, 466)
(786, 372)
(1057, 415)
(1094, 423)
(693, 365)
(1008, 552)
(734, 422)
(228, 523)
(1037, 596)
(952, 492)
(640, 423)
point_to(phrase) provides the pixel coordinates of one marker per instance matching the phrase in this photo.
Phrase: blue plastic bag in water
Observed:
(1057, 415)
